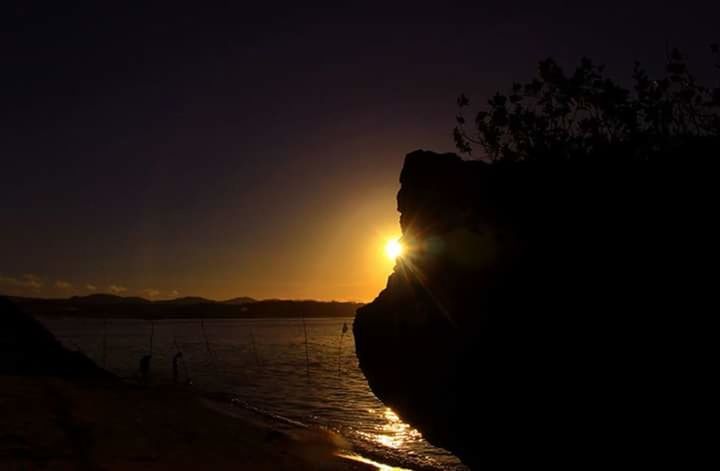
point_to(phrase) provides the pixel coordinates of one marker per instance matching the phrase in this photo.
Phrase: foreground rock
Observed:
(547, 313)
(28, 349)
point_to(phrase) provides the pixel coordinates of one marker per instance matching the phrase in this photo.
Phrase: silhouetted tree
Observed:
(586, 115)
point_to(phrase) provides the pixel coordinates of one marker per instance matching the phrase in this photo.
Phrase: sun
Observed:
(394, 249)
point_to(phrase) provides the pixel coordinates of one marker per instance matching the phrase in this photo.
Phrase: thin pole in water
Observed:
(202, 328)
(210, 352)
(342, 334)
(254, 347)
(152, 334)
(307, 353)
(104, 344)
(182, 359)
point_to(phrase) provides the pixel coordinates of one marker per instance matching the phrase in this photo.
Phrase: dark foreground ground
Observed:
(52, 423)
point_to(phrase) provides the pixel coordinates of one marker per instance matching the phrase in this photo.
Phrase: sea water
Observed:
(304, 370)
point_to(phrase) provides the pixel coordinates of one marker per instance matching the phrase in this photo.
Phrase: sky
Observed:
(159, 150)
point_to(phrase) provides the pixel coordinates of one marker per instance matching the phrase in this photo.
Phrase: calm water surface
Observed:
(264, 362)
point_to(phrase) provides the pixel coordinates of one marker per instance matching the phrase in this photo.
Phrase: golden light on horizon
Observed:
(394, 249)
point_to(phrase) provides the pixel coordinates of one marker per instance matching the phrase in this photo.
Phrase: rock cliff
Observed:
(544, 313)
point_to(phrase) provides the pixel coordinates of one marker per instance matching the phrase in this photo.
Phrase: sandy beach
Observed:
(52, 423)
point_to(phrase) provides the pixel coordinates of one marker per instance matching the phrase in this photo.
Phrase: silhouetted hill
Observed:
(187, 300)
(241, 300)
(103, 305)
(107, 299)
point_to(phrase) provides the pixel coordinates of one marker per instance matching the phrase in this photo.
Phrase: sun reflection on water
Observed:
(375, 464)
(393, 433)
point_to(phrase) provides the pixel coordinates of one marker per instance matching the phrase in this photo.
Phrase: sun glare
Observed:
(394, 249)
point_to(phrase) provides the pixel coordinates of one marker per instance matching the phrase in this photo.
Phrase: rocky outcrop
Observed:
(28, 349)
(545, 313)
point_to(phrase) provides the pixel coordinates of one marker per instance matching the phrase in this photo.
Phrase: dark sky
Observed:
(255, 149)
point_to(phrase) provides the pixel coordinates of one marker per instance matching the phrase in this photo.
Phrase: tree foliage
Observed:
(587, 115)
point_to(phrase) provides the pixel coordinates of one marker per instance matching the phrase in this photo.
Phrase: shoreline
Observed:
(348, 448)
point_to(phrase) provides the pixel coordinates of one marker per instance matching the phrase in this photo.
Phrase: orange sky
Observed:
(342, 258)
(334, 251)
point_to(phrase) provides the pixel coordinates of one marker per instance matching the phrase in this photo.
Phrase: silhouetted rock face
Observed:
(28, 349)
(543, 312)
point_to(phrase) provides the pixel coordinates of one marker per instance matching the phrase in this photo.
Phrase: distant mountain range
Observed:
(109, 305)
(113, 299)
